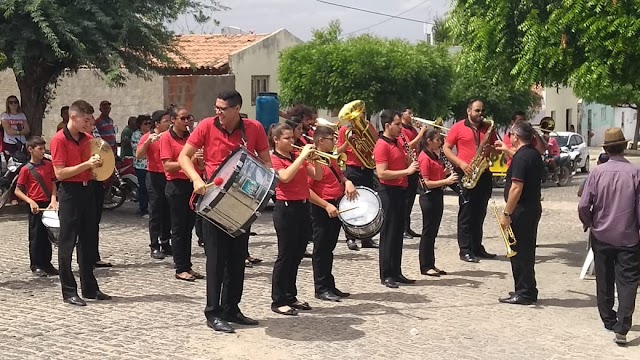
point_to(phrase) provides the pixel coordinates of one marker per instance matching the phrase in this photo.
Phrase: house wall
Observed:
(261, 58)
(626, 119)
(196, 92)
(602, 118)
(556, 103)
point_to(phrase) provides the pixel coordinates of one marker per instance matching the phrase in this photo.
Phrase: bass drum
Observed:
(361, 218)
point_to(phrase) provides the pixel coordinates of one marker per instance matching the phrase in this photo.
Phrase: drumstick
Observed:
(216, 182)
(41, 209)
(345, 210)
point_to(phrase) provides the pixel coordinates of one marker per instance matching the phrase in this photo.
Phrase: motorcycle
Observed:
(9, 179)
(121, 186)
(565, 168)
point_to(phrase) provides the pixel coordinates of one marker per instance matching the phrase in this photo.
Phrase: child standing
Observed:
(36, 187)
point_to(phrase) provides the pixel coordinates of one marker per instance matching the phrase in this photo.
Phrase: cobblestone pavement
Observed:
(154, 316)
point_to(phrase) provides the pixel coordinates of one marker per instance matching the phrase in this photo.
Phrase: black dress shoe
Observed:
(516, 299)
(403, 280)
(485, 255)
(75, 300)
(51, 271)
(99, 295)
(469, 258)
(511, 293)
(328, 296)
(351, 244)
(390, 283)
(413, 233)
(341, 294)
(219, 324)
(157, 254)
(38, 272)
(239, 318)
(167, 250)
(369, 244)
(407, 236)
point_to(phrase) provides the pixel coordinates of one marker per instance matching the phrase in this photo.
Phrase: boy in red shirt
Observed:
(37, 188)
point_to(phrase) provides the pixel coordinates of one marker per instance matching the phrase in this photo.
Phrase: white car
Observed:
(570, 141)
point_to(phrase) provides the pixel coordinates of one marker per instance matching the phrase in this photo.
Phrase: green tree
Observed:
(328, 72)
(442, 33)
(46, 39)
(590, 45)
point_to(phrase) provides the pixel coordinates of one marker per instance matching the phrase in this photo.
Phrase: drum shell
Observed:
(366, 230)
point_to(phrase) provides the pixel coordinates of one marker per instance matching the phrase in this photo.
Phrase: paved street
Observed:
(154, 316)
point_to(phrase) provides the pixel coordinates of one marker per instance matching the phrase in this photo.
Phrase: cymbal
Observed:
(102, 148)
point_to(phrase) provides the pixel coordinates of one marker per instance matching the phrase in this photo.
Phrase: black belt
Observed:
(287, 202)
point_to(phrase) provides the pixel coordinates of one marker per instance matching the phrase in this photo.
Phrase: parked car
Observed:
(569, 142)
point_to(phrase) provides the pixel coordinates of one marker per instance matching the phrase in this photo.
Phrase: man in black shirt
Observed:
(523, 211)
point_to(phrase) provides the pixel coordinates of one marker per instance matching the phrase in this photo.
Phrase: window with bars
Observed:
(259, 84)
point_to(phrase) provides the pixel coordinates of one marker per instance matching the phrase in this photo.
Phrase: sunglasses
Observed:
(146, 123)
(13, 102)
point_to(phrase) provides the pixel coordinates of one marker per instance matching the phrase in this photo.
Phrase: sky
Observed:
(301, 17)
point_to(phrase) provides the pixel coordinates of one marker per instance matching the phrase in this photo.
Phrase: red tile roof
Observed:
(212, 51)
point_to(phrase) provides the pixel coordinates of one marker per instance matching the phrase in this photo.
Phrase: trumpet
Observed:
(325, 158)
(434, 123)
(507, 233)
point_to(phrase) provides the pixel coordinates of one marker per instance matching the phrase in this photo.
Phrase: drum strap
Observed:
(34, 173)
(333, 170)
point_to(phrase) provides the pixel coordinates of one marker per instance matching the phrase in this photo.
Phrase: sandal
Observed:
(196, 275)
(281, 310)
(430, 272)
(253, 260)
(440, 272)
(187, 277)
(301, 305)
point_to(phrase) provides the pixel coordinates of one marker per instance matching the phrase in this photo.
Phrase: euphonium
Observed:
(507, 233)
(358, 135)
(479, 163)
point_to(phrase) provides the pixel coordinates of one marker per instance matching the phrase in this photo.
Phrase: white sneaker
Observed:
(145, 216)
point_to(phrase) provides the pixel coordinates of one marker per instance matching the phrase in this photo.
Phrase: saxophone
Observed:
(479, 163)
(358, 135)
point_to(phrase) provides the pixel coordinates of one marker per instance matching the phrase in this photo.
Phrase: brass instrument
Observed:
(435, 123)
(507, 233)
(325, 158)
(98, 146)
(479, 163)
(358, 136)
(547, 125)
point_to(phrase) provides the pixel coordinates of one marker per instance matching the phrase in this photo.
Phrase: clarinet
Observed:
(413, 157)
(455, 187)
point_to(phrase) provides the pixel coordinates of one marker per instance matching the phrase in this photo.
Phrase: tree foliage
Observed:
(328, 72)
(44, 39)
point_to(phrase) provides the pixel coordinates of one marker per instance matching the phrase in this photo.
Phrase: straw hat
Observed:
(614, 136)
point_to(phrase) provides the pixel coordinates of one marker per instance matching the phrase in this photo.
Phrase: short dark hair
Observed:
(302, 111)
(322, 132)
(473, 100)
(82, 107)
(518, 113)
(430, 135)
(62, 109)
(232, 97)
(294, 121)
(524, 130)
(405, 108)
(276, 130)
(157, 116)
(34, 141)
(142, 118)
(387, 116)
(616, 149)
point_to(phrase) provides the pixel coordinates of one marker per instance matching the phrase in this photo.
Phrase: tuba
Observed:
(479, 163)
(547, 124)
(358, 135)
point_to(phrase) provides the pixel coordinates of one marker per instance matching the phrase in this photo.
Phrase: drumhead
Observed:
(226, 171)
(367, 206)
(50, 219)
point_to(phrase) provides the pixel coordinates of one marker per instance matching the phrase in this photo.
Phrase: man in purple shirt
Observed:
(610, 206)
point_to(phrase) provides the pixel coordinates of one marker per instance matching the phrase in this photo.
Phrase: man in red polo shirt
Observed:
(412, 136)
(72, 164)
(505, 145)
(466, 135)
(392, 170)
(219, 136)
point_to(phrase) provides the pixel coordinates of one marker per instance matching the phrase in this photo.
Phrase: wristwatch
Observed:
(506, 214)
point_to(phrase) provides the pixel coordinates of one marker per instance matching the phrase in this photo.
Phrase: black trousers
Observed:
(325, 236)
(198, 225)
(391, 233)
(410, 199)
(524, 223)
(178, 193)
(432, 206)
(99, 190)
(359, 177)
(159, 213)
(39, 244)
(620, 267)
(291, 220)
(77, 213)
(471, 215)
(225, 270)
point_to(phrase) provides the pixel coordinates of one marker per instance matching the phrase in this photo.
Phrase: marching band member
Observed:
(219, 136)
(522, 212)
(159, 213)
(178, 192)
(538, 142)
(432, 201)
(77, 209)
(412, 136)
(466, 135)
(325, 196)
(291, 217)
(392, 170)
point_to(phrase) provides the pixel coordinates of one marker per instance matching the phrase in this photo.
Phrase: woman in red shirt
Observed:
(291, 216)
(432, 200)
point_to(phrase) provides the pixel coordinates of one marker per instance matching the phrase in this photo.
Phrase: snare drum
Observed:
(52, 223)
(361, 218)
(244, 192)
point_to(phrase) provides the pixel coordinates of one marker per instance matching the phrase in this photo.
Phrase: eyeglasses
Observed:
(222, 109)
(13, 102)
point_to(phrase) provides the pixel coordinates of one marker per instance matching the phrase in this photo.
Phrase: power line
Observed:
(391, 17)
(371, 12)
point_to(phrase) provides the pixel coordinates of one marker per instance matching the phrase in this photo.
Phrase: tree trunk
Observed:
(634, 145)
(36, 86)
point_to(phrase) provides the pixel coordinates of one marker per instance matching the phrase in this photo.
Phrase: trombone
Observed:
(507, 233)
(434, 123)
(325, 158)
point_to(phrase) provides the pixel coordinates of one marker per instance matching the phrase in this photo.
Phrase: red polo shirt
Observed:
(170, 146)
(352, 159)
(67, 152)
(390, 152)
(218, 143)
(409, 132)
(430, 168)
(466, 139)
(330, 186)
(154, 164)
(507, 143)
(298, 187)
(29, 185)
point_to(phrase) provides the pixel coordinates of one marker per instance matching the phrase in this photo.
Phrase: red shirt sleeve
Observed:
(58, 151)
(341, 136)
(423, 161)
(452, 135)
(507, 140)
(262, 142)
(166, 152)
(23, 177)
(380, 153)
(50, 170)
(198, 136)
